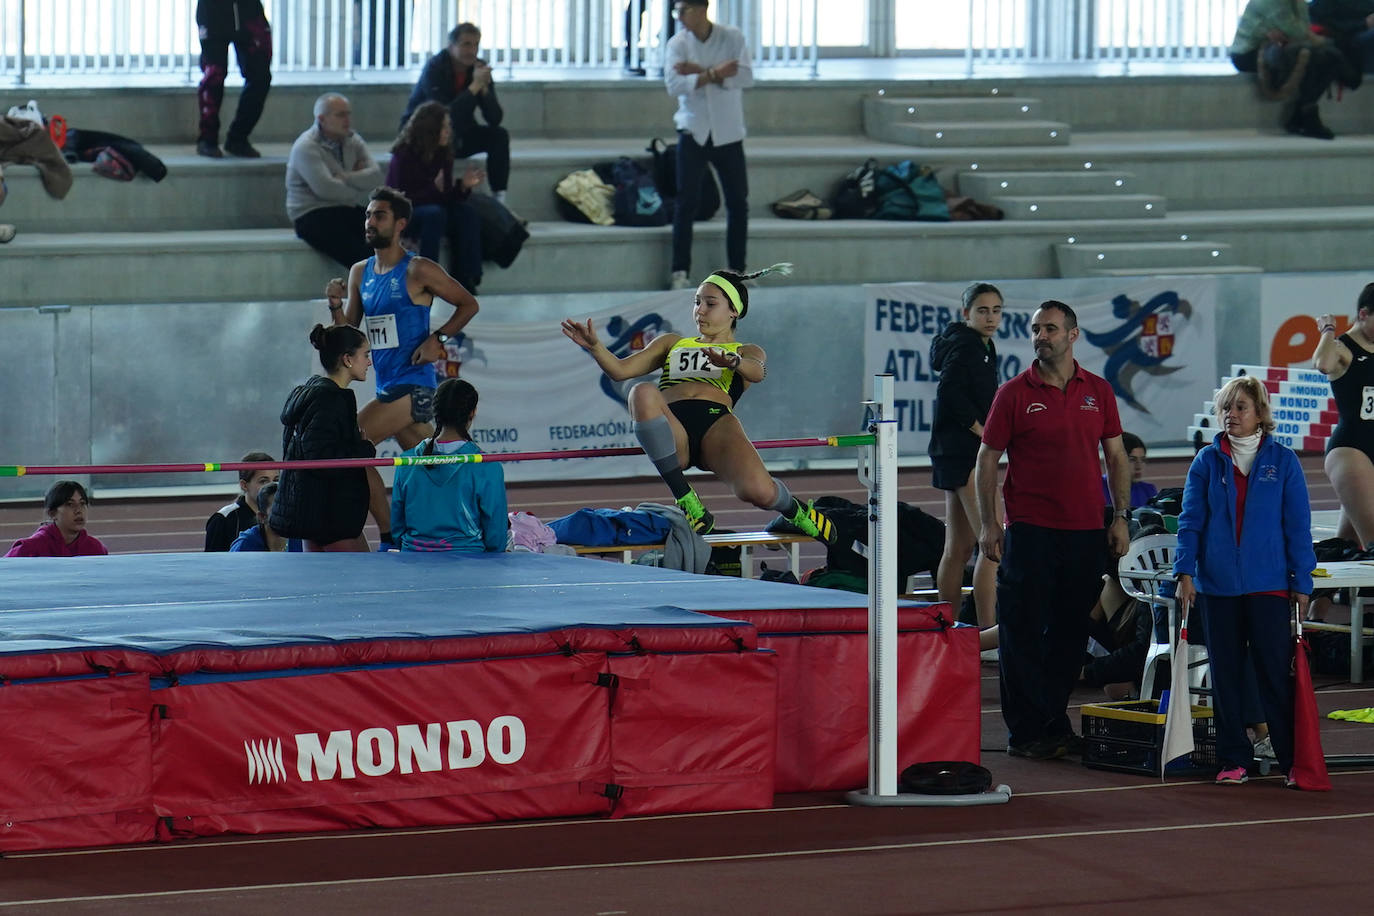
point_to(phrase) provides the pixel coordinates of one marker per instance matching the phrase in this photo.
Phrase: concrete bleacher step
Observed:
(938, 134)
(1078, 258)
(1080, 206)
(986, 184)
(883, 109)
(1168, 271)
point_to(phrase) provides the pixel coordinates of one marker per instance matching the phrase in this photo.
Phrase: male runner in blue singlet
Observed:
(389, 299)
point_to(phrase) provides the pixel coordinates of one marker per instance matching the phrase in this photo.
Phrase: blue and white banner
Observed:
(1153, 339)
(540, 392)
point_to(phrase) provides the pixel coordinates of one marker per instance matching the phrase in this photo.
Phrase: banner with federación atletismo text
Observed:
(1152, 339)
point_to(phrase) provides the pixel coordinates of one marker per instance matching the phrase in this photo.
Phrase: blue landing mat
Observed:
(161, 603)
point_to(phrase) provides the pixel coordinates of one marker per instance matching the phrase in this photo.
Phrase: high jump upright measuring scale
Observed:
(878, 473)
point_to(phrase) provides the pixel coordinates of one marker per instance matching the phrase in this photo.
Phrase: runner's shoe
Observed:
(1232, 776)
(811, 522)
(698, 516)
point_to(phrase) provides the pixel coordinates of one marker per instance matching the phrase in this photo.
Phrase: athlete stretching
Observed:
(389, 297)
(685, 419)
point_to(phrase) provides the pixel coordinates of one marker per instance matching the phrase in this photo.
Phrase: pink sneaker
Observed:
(1289, 780)
(1233, 776)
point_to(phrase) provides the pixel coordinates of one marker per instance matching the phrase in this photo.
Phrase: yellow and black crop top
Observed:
(687, 362)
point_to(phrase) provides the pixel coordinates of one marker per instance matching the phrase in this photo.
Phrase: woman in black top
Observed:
(1348, 361)
(326, 508)
(966, 359)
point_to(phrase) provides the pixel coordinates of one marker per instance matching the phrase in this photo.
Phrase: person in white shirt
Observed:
(707, 70)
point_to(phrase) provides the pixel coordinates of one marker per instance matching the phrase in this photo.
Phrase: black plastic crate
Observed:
(1129, 736)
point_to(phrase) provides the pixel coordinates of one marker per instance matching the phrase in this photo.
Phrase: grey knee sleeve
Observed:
(656, 438)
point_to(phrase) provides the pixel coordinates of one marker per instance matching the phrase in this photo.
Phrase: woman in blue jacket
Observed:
(1245, 553)
(458, 507)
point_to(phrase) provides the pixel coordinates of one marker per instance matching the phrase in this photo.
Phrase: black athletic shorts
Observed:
(950, 472)
(421, 401)
(696, 417)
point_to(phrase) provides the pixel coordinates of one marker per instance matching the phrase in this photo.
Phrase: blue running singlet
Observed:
(395, 326)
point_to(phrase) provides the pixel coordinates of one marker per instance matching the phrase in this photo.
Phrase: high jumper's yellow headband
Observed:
(729, 289)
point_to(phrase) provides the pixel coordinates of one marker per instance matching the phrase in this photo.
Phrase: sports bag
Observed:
(637, 201)
(503, 233)
(584, 196)
(908, 191)
(801, 205)
(857, 195)
(665, 177)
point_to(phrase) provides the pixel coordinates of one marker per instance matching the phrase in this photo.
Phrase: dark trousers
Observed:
(495, 142)
(336, 232)
(1243, 630)
(1047, 583)
(459, 221)
(634, 21)
(1323, 68)
(692, 159)
(253, 48)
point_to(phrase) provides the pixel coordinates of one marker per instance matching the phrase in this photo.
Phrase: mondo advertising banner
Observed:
(1152, 339)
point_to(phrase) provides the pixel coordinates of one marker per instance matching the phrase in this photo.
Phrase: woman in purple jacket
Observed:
(1245, 553)
(422, 168)
(64, 533)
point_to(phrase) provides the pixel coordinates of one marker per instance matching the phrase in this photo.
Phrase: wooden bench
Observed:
(745, 540)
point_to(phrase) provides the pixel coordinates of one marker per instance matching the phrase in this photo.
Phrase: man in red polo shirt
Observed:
(1049, 420)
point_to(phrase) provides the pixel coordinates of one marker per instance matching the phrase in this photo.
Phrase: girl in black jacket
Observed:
(326, 508)
(964, 355)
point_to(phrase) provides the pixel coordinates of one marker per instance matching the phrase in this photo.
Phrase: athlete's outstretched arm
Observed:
(617, 369)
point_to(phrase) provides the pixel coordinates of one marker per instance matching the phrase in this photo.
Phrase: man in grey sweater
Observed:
(328, 177)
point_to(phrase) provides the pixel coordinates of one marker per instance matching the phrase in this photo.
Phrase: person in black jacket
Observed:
(966, 358)
(243, 24)
(226, 524)
(458, 78)
(326, 508)
(1350, 24)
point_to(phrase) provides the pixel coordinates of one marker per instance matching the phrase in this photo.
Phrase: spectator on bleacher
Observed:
(966, 358)
(1050, 421)
(1245, 536)
(328, 176)
(457, 78)
(1274, 39)
(450, 507)
(687, 418)
(326, 508)
(1346, 361)
(1142, 491)
(243, 24)
(397, 317)
(1350, 24)
(64, 533)
(422, 169)
(707, 69)
(223, 526)
(261, 537)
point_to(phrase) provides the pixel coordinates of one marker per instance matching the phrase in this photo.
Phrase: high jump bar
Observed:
(20, 470)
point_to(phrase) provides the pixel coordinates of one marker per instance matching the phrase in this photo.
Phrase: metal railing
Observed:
(98, 38)
(1098, 31)
(101, 38)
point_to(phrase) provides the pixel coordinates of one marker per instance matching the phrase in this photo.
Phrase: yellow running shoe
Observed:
(698, 516)
(812, 522)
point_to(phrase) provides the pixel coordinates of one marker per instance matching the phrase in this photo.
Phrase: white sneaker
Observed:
(1264, 749)
(990, 655)
(6, 233)
(679, 280)
(500, 197)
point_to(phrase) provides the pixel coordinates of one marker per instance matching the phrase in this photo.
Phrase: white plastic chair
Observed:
(1148, 554)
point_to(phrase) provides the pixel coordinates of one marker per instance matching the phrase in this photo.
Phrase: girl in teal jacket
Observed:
(450, 507)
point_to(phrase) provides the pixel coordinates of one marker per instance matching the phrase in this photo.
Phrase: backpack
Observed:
(665, 177)
(920, 538)
(503, 233)
(908, 191)
(111, 163)
(857, 195)
(636, 201)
